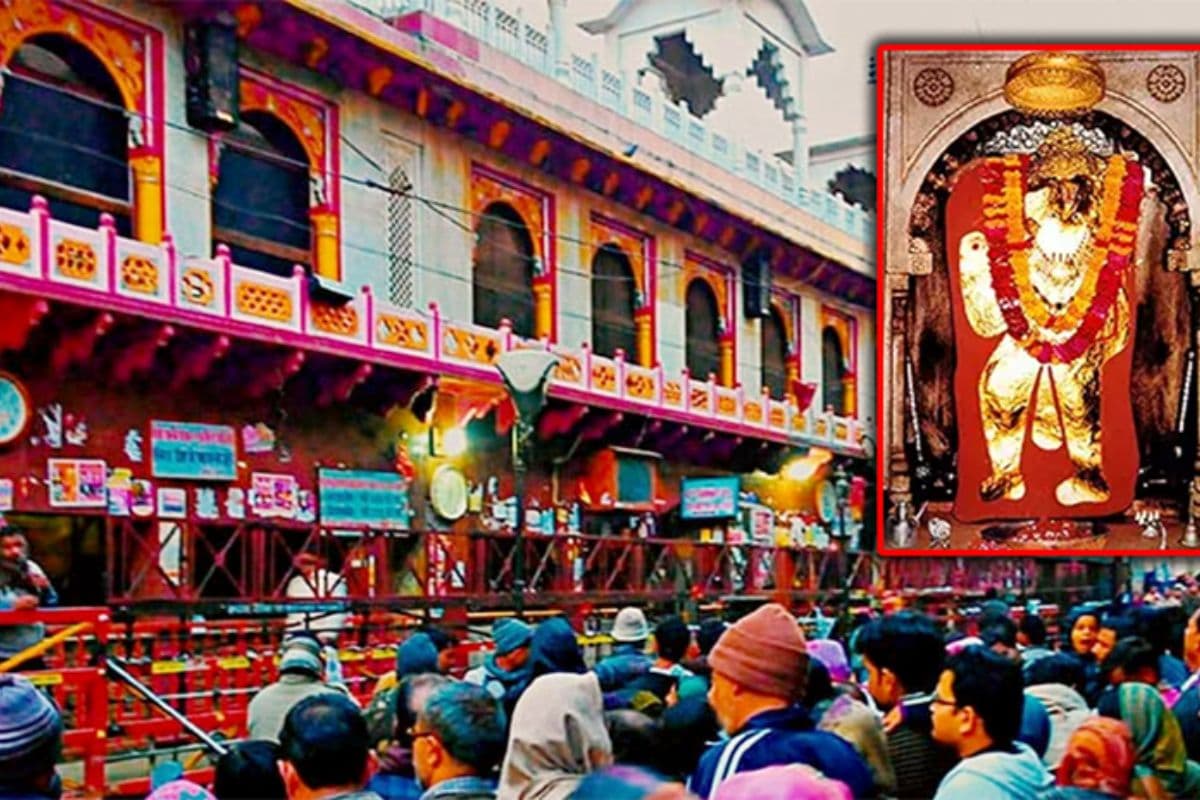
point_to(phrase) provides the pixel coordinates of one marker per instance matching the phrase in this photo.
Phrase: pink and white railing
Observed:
(96, 267)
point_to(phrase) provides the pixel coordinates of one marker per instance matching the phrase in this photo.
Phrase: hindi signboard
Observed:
(363, 499)
(193, 451)
(709, 498)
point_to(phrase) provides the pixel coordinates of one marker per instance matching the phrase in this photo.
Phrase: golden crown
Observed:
(1064, 155)
(1052, 84)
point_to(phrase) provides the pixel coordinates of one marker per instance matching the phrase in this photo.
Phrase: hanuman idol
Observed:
(1044, 279)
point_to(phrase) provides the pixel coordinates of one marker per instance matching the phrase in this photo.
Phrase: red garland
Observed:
(1004, 284)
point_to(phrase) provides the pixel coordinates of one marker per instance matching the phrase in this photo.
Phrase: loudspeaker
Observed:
(756, 286)
(210, 59)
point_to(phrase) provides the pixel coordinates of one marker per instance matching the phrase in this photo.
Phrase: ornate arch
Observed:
(719, 278)
(845, 326)
(314, 123)
(638, 247)
(536, 209)
(788, 307)
(132, 54)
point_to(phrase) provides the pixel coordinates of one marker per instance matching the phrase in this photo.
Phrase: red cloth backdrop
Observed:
(1042, 470)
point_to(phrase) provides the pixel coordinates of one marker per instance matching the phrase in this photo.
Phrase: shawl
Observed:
(859, 726)
(557, 738)
(1100, 757)
(1158, 739)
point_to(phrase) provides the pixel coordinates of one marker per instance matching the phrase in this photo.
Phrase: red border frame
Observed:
(882, 448)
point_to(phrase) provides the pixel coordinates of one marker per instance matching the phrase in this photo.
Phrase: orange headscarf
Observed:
(1099, 756)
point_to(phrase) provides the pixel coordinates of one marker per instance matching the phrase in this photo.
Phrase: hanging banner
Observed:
(193, 451)
(709, 498)
(359, 498)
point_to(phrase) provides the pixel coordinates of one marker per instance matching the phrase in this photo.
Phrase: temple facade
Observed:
(259, 260)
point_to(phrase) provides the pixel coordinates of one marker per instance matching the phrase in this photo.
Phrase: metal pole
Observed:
(519, 435)
(118, 670)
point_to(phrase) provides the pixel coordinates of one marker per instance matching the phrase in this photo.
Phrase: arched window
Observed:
(502, 275)
(613, 302)
(774, 355)
(703, 355)
(833, 372)
(261, 202)
(64, 134)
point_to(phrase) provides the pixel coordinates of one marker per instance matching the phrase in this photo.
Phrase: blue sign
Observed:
(362, 499)
(709, 498)
(193, 451)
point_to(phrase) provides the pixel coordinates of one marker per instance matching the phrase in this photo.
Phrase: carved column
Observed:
(895, 312)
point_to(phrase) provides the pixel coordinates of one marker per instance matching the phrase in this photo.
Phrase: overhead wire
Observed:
(441, 208)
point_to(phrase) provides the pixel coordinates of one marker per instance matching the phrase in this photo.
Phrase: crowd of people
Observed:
(892, 706)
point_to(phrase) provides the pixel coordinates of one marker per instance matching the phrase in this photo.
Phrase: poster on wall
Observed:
(274, 496)
(708, 498)
(359, 498)
(172, 503)
(193, 451)
(6, 494)
(77, 482)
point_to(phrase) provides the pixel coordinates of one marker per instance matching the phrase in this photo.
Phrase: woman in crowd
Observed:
(1157, 739)
(557, 738)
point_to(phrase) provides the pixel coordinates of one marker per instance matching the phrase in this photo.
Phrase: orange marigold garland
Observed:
(1008, 255)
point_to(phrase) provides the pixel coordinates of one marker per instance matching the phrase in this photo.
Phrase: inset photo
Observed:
(1038, 299)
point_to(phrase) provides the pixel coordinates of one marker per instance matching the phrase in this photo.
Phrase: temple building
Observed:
(427, 292)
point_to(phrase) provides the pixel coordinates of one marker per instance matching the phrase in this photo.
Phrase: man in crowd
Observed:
(758, 667)
(23, 587)
(300, 675)
(977, 710)
(1000, 636)
(313, 582)
(628, 659)
(1132, 659)
(397, 778)
(1031, 637)
(323, 750)
(30, 742)
(903, 655)
(504, 668)
(457, 742)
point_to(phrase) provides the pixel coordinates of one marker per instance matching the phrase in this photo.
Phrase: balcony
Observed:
(587, 76)
(49, 258)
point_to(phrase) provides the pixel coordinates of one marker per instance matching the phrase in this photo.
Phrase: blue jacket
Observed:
(626, 663)
(391, 786)
(784, 736)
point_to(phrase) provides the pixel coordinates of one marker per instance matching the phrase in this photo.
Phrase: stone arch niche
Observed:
(925, 155)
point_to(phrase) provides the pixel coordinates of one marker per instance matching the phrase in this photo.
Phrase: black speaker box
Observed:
(210, 58)
(756, 286)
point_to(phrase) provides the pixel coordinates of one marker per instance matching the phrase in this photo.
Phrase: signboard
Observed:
(359, 498)
(709, 498)
(193, 451)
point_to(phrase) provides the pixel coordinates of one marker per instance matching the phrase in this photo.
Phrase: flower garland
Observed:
(1027, 316)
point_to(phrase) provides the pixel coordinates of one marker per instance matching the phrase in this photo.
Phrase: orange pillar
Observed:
(725, 350)
(326, 247)
(148, 221)
(644, 336)
(850, 393)
(543, 309)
